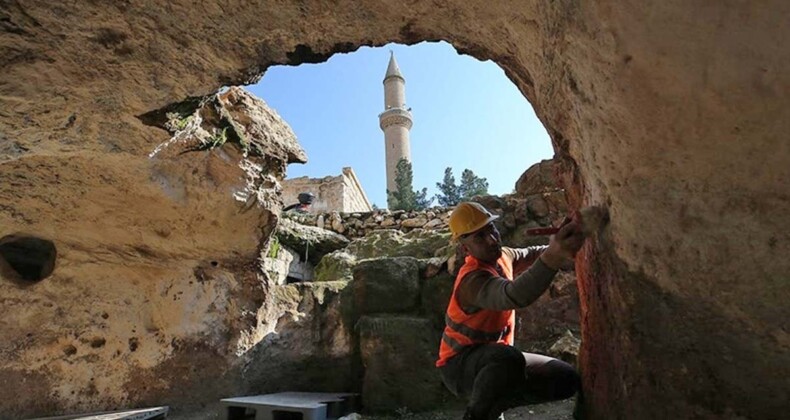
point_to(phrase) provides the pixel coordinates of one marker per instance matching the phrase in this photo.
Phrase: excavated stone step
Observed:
(398, 352)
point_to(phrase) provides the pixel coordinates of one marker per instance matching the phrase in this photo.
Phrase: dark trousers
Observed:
(495, 377)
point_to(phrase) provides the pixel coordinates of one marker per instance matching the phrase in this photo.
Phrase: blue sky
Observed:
(467, 114)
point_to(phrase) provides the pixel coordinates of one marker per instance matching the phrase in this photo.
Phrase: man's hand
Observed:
(563, 245)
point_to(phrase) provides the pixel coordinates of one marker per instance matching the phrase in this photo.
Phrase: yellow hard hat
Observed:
(469, 217)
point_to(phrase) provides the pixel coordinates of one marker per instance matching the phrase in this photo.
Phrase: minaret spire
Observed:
(392, 69)
(395, 121)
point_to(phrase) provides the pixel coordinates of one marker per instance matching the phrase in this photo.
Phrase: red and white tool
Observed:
(590, 218)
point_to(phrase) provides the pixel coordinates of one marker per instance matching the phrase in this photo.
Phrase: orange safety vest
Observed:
(484, 326)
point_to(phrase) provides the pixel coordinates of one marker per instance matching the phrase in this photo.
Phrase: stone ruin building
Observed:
(147, 199)
(342, 193)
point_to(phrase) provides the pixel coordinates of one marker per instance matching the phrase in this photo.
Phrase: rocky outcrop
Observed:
(284, 265)
(566, 348)
(537, 202)
(358, 225)
(335, 266)
(310, 344)
(397, 355)
(399, 326)
(157, 269)
(435, 296)
(309, 241)
(401, 319)
(387, 285)
(551, 317)
(422, 244)
(233, 116)
(676, 124)
(295, 250)
(392, 243)
(539, 178)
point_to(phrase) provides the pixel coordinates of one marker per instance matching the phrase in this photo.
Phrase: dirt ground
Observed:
(559, 410)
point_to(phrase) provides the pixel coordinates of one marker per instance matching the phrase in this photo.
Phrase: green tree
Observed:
(471, 185)
(404, 197)
(449, 195)
(421, 199)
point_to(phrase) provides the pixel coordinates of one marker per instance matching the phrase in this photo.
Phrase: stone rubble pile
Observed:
(537, 201)
(357, 225)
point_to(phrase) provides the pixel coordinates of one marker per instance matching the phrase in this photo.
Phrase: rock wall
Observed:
(399, 337)
(157, 285)
(538, 201)
(360, 224)
(312, 345)
(673, 115)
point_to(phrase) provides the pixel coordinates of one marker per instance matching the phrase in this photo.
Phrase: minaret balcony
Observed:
(395, 116)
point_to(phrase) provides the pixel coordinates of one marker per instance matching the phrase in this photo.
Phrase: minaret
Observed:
(395, 121)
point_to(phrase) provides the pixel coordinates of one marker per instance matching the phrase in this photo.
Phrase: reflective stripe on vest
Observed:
(452, 343)
(474, 334)
(458, 346)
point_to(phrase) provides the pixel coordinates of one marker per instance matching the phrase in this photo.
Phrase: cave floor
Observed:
(558, 410)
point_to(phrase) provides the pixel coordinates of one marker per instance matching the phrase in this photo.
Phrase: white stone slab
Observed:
(311, 405)
(138, 414)
(288, 399)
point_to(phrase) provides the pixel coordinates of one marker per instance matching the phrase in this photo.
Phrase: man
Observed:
(303, 206)
(476, 357)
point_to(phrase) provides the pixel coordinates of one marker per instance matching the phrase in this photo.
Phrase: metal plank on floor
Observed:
(136, 414)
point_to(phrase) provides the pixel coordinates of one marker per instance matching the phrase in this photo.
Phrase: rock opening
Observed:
(30, 258)
(672, 114)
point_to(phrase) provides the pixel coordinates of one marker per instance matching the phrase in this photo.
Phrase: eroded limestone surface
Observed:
(672, 114)
(157, 283)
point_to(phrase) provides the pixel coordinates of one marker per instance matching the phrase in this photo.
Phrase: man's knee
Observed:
(510, 362)
(511, 356)
(565, 380)
(503, 364)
